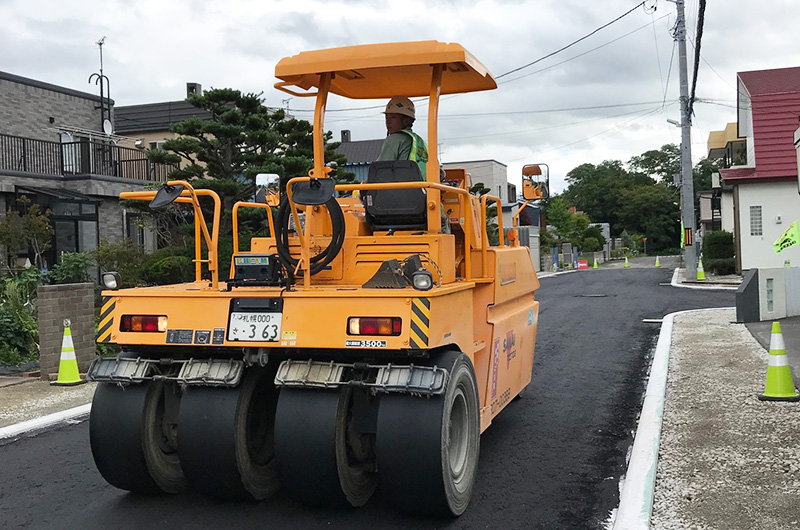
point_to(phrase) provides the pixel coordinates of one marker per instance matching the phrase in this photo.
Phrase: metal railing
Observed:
(85, 157)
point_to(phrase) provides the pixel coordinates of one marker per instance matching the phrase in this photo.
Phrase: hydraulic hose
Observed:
(321, 260)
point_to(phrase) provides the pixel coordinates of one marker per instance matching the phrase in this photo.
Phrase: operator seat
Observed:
(403, 209)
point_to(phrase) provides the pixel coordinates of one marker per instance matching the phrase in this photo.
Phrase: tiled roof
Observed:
(776, 81)
(775, 107)
(360, 152)
(154, 116)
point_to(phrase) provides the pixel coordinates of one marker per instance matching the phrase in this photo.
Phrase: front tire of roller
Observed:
(322, 459)
(226, 438)
(428, 447)
(132, 440)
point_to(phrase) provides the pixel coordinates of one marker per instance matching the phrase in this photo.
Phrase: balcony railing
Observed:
(86, 157)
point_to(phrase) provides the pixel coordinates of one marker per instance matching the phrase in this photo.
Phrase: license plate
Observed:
(256, 327)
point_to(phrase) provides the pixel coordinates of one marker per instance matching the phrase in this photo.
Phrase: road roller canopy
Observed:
(384, 70)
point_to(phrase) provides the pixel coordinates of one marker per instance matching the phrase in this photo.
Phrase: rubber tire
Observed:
(226, 437)
(311, 450)
(123, 435)
(418, 470)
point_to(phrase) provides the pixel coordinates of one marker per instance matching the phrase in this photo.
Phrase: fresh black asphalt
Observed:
(551, 460)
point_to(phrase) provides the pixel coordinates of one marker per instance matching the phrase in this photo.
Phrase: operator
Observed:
(401, 142)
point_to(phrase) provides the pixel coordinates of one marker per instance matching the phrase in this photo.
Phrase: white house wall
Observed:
(777, 200)
(491, 173)
(727, 211)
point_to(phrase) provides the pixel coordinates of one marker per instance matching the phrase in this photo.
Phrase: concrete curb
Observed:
(676, 283)
(44, 422)
(638, 484)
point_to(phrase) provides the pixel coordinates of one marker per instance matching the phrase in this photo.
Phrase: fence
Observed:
(85, 157)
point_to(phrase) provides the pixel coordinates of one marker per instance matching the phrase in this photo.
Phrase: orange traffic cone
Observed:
(68, 374)
(780, 386)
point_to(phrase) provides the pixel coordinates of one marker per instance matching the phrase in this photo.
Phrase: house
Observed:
(716, 204)
(763, 183)
(148, 125)
(58, 148)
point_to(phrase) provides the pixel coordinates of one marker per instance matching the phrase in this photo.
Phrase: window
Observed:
(157, 145)
(755, 221)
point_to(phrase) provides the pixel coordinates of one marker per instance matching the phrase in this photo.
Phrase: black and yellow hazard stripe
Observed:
(104, 328)
(420, 322)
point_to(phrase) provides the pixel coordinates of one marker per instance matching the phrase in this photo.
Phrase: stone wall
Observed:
(58, 302)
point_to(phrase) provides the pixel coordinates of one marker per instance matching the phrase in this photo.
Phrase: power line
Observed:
(669, 70)
(526, 131)
(610, 132)
(700, 18)
(540, 59)
(584, 53)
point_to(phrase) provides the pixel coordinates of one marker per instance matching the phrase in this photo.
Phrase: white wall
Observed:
(727, 211)
(491, 173)
(776, 199)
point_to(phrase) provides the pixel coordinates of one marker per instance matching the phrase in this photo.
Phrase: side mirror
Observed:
(535, 182)
(268, 189)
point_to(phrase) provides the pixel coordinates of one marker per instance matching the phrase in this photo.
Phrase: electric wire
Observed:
(699, 35)
(581, 54)
(540, 59)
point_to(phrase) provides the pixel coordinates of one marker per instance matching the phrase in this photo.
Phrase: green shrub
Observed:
(718, 245)
(172, 269)
(18, 332)
(720, 267)
(73, 268)
(9, 355)
(126, 258)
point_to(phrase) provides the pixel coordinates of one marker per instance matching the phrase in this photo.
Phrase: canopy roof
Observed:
(384, 70)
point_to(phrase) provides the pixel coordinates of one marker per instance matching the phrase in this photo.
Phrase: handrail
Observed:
(514, 221)
(464, 196)
(501, 242)
(235, 222)
(283, 87)
(189, 195)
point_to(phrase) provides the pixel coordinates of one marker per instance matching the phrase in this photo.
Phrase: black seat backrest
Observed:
(402, 209)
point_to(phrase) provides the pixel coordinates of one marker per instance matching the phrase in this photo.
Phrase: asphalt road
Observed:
(552, 459)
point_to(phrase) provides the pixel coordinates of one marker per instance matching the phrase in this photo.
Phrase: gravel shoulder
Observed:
(726, 459)
(22, 400)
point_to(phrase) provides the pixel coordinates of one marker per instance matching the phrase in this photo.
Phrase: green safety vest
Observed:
(419, 151)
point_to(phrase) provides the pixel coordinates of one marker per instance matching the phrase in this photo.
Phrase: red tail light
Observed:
(143, 323)
(389, 326)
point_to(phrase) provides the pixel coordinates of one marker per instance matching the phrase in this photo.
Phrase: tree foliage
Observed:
(31, 230)
(638, 198)
(240, 139)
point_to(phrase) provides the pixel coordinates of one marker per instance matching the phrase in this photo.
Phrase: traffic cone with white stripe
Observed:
(701, 273)
(595, 263)
(68, 374)
(780, 386)
(658, 263)
(627, 265)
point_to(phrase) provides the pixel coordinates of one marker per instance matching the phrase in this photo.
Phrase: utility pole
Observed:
(687, 183)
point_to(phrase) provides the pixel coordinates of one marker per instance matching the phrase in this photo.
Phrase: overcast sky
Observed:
(606, 98)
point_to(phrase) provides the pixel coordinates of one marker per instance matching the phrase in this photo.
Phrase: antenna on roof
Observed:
(105, 90)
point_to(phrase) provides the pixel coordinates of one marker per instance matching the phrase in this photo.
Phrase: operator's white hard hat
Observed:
(400, 105)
